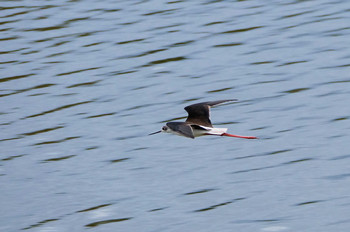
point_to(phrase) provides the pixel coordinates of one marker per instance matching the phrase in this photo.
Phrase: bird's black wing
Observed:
(199, 113)
(181, 128)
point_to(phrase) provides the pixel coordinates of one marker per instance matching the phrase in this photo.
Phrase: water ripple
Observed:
(58, 109)
(58, 158)
(103, 222)
(41, 131)
(93, 208)
(28, 89)
(307, 203)
(56, 141)
(241, 30)
(199, 191)
(11, 78)
(218, 205)
(162, 61)
(41, 223)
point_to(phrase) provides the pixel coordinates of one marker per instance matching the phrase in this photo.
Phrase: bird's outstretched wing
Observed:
(199, 114)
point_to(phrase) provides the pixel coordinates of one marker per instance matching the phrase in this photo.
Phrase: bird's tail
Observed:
(216, 131)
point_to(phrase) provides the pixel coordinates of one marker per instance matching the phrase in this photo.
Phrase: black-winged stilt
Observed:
(198, 123)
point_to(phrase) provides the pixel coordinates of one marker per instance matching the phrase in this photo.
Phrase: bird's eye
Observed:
(164, 128)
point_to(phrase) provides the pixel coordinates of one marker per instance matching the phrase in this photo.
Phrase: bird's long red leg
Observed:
(238, 136)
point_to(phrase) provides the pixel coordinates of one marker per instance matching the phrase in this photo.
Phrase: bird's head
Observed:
(164, 129)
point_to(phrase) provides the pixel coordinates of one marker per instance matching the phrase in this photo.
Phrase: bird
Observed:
(198, 122)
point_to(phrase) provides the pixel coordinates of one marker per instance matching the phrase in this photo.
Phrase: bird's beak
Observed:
(155, 132)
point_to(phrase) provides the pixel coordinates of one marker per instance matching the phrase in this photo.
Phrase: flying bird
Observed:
(198, 123)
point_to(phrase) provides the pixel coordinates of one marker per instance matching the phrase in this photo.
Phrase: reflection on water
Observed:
(83, 84)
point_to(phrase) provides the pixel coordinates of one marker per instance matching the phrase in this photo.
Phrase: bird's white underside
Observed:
(209, 130)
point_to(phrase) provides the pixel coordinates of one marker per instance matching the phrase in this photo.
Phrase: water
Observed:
(83, 83)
